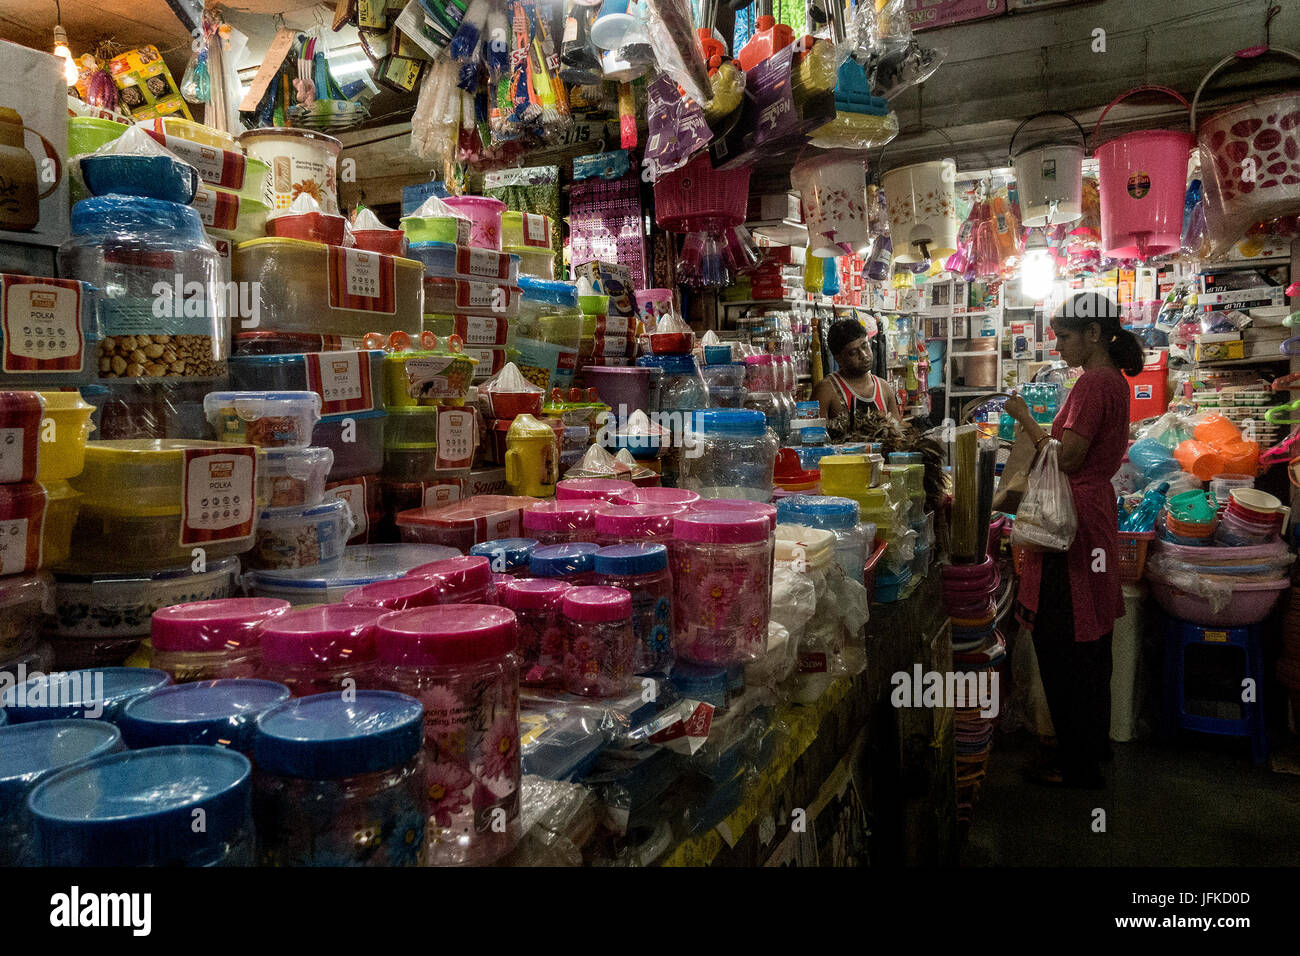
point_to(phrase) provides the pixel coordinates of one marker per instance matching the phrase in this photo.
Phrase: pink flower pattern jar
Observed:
(627, 524)
(722, 569)
(592, 489)
(598, 642)
(207, 640)
(462, 580)
(642, 570)
(760, 373)
(563, 522)
(536, 603)
(319, 650)
(458, 660)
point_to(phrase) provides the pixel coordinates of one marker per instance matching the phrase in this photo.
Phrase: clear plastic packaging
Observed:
(536, 603)
(39, 519)
(340, 781)
(599, 646)
(265, 419)
(459, 662)
(218, 713)
(301, 536)
(722, 566)
(562, 522)
(92, 694)
(296, 476)
(321, 650)
(508, 555)
(207, 640)
(735, 457)
(549, 332)
(1046, 518)
(642, 571)
(629, 524)
(348, 380)
(462, 524)
(838, 515)
(359, 565)
(572, 563)
(24, 601)
(459, 580)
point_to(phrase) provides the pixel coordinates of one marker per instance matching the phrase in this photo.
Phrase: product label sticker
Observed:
(355, 495)
(41, 320)
(537, 230)
(812, 662)
(437, 494)
(342, 380)
(362, 281)
(219, 501)
(490, 361)
(20, 544)
(482, 329)
(614, 324)
(435, 376)
(18, 454)
(457, 439)
(482, 262)
(217, 210)
(217, 167)
(1139, 184)
(482, 295)
(611, 345)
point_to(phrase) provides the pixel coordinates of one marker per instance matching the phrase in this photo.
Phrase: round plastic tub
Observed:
(93, 694)
(562, 522)
(449, 229)
(127, 810)
(485, 219)
(303, 160)
(64, 456)
(459, 580)
(215, 713)
(266, 419)
(572, 563)
(735, 458)
(302, 536)
(208, 640)
(628, 524)
(536, 604)
(587, 489)
(359, 565)
(296, 476)
(1252, 601)
(658, 496)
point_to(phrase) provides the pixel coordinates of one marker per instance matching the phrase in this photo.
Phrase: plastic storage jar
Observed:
(357, 441)
(221, 713)
(314, 650)
(410, 440)
(339, 782)
(460, 580)
(562, 522)
(463, 524)
(628, 524)
(93, 694)
(40, 519)
(138, 809)
(682, 388)
(127, 246)
(658, 496)
(592, 489)
(24, 602)
(642, 571)
(571, 563)
(722, 566)
(360, 564)
(459, 662)
(548, 333)
(265, 419)
(296, 477)
(30, 753)
(299, 537)
(507, 555)
(206, 640)
(536, 603)
(839, 515)
(401, 594)
(736, 457)
(599, 648)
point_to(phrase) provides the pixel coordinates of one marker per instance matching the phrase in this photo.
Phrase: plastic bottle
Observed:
(1143, 518)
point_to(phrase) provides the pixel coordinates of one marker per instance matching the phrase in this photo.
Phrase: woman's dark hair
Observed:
(1085, 308)
(844, 333)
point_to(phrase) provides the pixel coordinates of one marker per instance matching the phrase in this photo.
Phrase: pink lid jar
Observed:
(400, 594)
(626, 524)
(463, 580)
(207, 640)
(316, 650)
(458, 660)
(563, 522)
(536, 603)
(642, 570)
(591, 489)
(740, 505)
(722, 569)
(760, 373)
(599, 648)
(658, 496)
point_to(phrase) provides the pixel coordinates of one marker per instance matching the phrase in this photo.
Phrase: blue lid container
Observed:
(214, 712)
(671, 364)
(699, 682)
(623, 559)
(810, 457)
(557, 560)
(818, 511)
(852, 448)
(324, 737)
(506, 554)
(730, 422)
(96, 693)
(562, 294)
(135, 214)
(139, 809)
(156, 177)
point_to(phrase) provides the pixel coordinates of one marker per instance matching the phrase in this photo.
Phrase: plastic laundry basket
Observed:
(698, 197)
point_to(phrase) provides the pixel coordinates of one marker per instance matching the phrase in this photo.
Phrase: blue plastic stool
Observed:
(1184, 633)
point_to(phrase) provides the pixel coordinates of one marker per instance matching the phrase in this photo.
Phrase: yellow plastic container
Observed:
(845, 475)
(65, 427)
(532, 458)
(191, 132)
(427, 378)
(38, 518)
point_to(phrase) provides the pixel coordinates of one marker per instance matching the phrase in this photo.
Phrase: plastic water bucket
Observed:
(1049, 175)
(923, 210)
(1142, 178)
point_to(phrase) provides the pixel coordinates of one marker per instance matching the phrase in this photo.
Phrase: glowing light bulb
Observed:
(70, 71)
(1037, 269)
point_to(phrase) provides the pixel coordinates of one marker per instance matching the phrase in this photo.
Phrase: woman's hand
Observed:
(1018, 409)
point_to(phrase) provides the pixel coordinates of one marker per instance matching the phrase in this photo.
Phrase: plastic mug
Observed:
(1198, 458)
(1216, 430)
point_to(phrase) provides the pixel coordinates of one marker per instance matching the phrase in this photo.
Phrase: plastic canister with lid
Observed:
(321, 649)
(642, 570)
(572, 563)
(599, 647)
(562, 522)
(839, 515)
(588, 489)
(219, 713)
(460, 580)
(722, 566)
(536, 603)
(507, 555)
(735, 458)
(629, 524)
(96, 693)
(205, 640)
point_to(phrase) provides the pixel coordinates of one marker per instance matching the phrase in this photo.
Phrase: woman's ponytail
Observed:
(1126, 352)
(1083, 309)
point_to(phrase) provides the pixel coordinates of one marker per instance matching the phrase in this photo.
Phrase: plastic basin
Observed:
(1251, 602)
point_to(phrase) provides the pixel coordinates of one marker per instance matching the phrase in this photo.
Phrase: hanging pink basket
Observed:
(699, 198)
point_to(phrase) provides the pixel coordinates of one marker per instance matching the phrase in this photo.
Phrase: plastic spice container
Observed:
(127, 809)
(55, 332)
(628, 524)
(588, 489)
(298, 537)
(357, 441)
(38, 520)
(658, 496)
(93, 693)
(324, 649)
(573, 563)
(722, 566)
(839, 515)
(266, 419)
(359, 565)
(296, 476)
(682, 388)
(735, 458)
(459, 662)
(463, 524)
(24, 602)
(346, 381)
(459, 580)
(130, 247)
(206, 640)
(221, 713)
(599, 647)
(30, 753)
(339, 782)
(536, 603)
(508, 555)
(562, 522)
(642, 570)
(148, 503)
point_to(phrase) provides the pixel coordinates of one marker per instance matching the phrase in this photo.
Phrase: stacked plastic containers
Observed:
(733, 455)
(680, 392)
(725, 378)
(563, 522)
(642, 569)
(854, 540)
(318, 650)
(548, 334)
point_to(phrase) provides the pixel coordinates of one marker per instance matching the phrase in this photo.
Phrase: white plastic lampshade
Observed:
(833, 191)
(922, 210)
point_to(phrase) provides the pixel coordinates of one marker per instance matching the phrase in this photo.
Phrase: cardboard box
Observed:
(613, 280)
(34, 163)
(485, 481)
(1218, 348)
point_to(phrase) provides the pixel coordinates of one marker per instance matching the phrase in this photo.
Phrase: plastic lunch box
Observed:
(364, 454)
(266, 419)
(465, 523)
(358, 565)
(448, 261)
(345, 381)
(470, 297)
(422, 377)
(133, 510)
(37, 519)
(65, 456)
(62, 341)
(299, 537)
(283, 343)
(310, 286)
(297, 476)
(474, 330)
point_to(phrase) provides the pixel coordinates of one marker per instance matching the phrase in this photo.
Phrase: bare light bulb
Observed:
(1037, 269)
(70, 71)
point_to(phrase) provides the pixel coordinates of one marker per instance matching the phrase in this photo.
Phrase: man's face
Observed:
(855, 358)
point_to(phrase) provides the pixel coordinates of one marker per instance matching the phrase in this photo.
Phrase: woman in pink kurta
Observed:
(1071, 600)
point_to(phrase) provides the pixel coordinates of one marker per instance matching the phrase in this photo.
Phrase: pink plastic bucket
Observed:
(1142, 178)
(485, 219)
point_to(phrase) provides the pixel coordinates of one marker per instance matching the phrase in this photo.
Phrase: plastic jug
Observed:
(769, 37)
(532, 458)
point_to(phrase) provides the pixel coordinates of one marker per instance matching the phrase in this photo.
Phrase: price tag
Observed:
(482, 262)
(41, 325)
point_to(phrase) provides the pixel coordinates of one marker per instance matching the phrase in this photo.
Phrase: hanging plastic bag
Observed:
(1046, 520)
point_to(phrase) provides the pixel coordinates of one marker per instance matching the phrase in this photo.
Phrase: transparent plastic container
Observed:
(463, 524)
(401, 594)
(682, 388)
(359, 565)
(562, 522)
(730, 375)
(207, 640)
(658, 496)
(265, 419)
(548, 333)
(766, 402)
(536, 603)
(592, 489)
(642, 571)
(838, 515)
(302, 536)
(629, 524)
(90, 694)
(410, 441)
(296, 476)
(599, 646)
(458, 661)
(216, 713)
(760, 373)
(128, 247)
(127, 810)
(357, 441)
(735, 457)
(319, 650)
(722, 566)
(572, 563)
(340, 782)
(461, 580)
(346, 380)
(508, 555)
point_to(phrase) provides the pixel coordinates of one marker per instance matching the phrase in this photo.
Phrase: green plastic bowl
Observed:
(436, 229)
(87, 134)
(593, 304)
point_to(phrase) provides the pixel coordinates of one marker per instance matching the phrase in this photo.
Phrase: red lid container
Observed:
(637, 521)
(597, 605)
(571, 515)
(455, 578)
(445, 636)
(311, 226)
(721, 527)
(532, 594)
(606, 489)
(329, 634)
(223, 624)
(396, 595)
